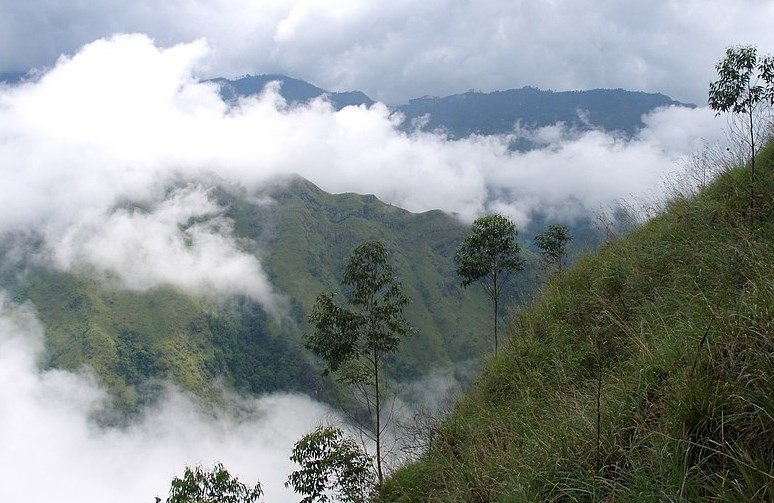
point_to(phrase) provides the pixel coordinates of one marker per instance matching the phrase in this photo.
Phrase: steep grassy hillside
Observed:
(675, 324)
(304, 237)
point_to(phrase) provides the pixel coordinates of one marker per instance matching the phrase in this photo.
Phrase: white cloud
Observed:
(403, 49)
(82, 141)
(182, 242)
(53, 451)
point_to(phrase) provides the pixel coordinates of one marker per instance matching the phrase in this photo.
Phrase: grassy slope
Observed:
(679, 421)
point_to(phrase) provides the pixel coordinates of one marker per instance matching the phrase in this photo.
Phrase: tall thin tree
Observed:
(489, 253)
(353, 339)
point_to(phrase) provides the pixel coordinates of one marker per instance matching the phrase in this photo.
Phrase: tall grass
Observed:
(677, 319)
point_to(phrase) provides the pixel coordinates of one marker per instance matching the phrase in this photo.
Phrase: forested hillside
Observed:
(303, 237)
(642, 374)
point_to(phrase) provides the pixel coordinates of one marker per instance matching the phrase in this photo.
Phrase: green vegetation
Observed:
(132, 340)
(333, 468)
(490, 254)
(745, 87)
(354, 340)
(211, 486)
(552, 244)
(309, 236)
(665, 337)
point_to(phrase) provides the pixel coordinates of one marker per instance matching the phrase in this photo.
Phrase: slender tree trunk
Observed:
(378, 431)
(496, 295)
(752, 166)
(495, 324)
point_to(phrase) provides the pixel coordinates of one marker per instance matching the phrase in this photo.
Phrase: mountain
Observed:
(293, 90)
(671, 331)
(304, 237)
(498, 112)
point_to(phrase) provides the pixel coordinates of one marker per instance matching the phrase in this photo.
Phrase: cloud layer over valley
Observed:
(52, 450)
(91, 149)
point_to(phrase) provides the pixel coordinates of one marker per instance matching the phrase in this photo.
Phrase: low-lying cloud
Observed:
(182, 241)
(122, 118)
(53, 451)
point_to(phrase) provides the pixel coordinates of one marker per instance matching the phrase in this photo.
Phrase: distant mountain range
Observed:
(473, 112)
(293, 90)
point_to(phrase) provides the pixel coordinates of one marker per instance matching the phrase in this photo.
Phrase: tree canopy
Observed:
(217, 485)
(745, 82)
(553, 245)
(333, 468)
(489, 253)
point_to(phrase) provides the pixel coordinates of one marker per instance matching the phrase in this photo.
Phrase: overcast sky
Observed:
(403, 48)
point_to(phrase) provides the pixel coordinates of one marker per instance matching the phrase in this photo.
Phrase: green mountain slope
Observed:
(677, 322)
(314, 234)
(304, 237)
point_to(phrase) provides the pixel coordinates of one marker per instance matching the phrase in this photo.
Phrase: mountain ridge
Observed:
(474, 112)
(134, 340)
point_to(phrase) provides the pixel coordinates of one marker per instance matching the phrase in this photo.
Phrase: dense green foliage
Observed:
(211, 486)
(685, 307)
(333, 468)
(373, 322)
(310, 235)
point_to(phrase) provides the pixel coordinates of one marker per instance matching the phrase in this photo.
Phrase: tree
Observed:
(489, 253)
(352, 340)
(331, 464)
(553, 245)
(745, 82)
(211, 486)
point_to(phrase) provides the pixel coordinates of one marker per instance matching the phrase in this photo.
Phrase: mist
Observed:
(54, 451)
(123, 120)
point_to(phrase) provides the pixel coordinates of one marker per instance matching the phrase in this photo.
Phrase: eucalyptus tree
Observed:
(217, 485)
(333, 468)
(353, 339)
(745, 84)
(489, 253)
(553, 246)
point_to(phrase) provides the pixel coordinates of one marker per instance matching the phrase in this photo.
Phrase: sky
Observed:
(109, 157)
(401, 49)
